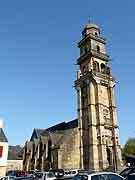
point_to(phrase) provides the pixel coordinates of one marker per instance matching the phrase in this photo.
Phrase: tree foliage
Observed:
(129, 148)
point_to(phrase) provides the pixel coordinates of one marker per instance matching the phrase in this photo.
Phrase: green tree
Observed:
(129, 147)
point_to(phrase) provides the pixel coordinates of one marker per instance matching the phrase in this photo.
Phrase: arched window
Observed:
(96, 34)
(98, 48)
(103, 67)
(96, 66)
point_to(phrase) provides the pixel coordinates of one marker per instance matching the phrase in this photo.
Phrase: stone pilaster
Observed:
(80, 127)
(115, 131)
(28, 163)
(42, 165)
(59, 159)
(35, 163)
(93, 150)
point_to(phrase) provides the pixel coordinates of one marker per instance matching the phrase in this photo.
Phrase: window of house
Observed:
(1, 151)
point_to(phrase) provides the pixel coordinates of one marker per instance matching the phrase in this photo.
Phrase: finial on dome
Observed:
(89, 21)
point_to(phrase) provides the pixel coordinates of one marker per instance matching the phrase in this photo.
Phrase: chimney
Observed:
(1, 124)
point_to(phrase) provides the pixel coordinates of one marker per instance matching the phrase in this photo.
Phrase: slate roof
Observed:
(36, 133)
(58, 127)
(64, 126)
(3, 138)
(39, 132)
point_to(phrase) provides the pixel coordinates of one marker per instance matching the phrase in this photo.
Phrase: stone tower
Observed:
(98, 127)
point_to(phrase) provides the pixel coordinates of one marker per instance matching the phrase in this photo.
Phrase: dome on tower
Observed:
(91, 28)
(91, 25)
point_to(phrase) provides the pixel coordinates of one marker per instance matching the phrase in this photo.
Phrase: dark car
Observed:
(127, 171)
(130, 177)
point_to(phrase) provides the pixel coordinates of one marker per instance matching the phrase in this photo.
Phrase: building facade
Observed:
(15, 158)
(91, 141)
(3, 150)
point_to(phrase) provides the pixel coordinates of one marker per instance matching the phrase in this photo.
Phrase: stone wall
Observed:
(14, 165)
(69, 152)
(2, 170)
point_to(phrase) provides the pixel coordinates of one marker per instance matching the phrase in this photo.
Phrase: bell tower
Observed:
(97, 116)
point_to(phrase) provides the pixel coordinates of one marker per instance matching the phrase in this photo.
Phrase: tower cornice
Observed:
(91, 36)
(99, 78)
(93, 53)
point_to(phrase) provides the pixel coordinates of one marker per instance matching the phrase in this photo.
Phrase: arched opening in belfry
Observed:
(109, 156)
(98, 48)
(96, 66)
(96, 34)
(103, 68)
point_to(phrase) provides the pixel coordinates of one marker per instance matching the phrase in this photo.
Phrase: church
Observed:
(91, 141)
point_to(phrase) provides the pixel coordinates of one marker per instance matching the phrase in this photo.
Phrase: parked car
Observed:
(127, 171)
(45, 175)
(26, 178)
(97, 176)
(7, 178)
(130, 177)
(65, 178)
(11, 173)
(71, 172)
(59, 173)
(16, 173)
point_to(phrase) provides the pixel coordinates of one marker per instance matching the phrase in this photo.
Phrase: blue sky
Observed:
(38, 50)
